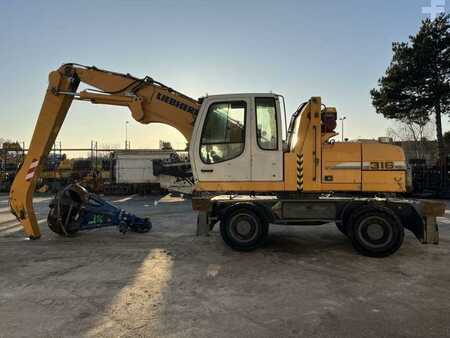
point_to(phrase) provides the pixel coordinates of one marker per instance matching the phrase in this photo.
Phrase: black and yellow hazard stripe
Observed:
(299, 172)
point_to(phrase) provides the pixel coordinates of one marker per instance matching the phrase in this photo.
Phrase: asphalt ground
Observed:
(307, 281)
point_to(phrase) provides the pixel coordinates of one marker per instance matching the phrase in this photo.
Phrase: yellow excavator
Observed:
(246, 174)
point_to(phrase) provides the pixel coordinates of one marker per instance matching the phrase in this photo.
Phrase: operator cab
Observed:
(235, 130)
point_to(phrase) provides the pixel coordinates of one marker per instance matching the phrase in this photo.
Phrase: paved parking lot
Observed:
(307, 281)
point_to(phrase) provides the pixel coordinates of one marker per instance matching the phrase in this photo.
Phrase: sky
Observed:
(333, 49)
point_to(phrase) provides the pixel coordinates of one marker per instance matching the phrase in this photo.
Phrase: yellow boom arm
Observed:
(148, 101)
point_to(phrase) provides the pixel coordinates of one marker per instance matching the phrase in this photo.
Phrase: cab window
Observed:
(266, 123)
(223, 135)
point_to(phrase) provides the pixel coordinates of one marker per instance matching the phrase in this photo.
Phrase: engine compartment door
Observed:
(341, 164)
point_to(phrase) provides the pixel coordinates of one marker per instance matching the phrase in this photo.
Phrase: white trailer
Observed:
(133, 171)
(136, 166)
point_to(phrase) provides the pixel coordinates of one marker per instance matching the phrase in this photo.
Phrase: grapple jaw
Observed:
(75, 209)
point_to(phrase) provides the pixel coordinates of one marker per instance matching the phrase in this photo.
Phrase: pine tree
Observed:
(417, 82)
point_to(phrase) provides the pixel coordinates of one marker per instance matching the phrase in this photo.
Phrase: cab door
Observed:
(267, 143)
(220, 151)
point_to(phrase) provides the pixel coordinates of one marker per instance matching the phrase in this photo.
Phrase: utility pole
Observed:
(342, 127)
(126, 134)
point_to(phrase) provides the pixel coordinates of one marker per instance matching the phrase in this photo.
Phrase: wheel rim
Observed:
(375, 232)
(243, 228)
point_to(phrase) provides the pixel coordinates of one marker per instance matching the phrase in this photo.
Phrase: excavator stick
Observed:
(51, 117)
(148, 100)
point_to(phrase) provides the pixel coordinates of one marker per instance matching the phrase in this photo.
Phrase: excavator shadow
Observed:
(301, 241)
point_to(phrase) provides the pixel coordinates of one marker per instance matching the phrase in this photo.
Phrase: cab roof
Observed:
(237, 96)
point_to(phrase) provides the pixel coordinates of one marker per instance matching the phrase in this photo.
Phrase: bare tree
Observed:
(417, 133)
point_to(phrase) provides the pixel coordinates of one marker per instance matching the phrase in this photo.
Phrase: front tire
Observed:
(244, 230)
(376, 233)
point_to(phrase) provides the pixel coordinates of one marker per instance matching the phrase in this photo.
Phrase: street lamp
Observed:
(126, 134)
(342, 127)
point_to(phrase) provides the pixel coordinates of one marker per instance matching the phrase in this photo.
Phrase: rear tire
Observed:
(376, 233)
(244, 230)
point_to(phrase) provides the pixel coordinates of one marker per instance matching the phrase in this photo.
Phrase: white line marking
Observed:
(4, 210)
(125, 199)
(17, 228)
